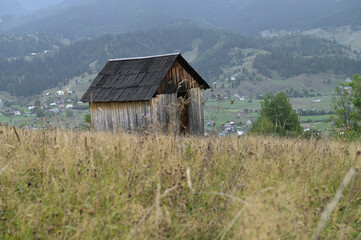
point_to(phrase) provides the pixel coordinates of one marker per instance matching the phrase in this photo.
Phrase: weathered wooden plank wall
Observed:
(177, 80)
(164, 108)
(195, 111)
(127, 116)
(161, 112)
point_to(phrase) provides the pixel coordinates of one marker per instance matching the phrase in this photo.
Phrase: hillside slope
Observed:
(344, 35)
(216, 54)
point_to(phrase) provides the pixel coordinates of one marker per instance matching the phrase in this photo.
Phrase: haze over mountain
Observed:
(20, 7)
(88, 18)
(35, 51)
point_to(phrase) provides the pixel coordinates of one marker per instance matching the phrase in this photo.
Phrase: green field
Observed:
(217, 111)
(29, 119)
(221, 112)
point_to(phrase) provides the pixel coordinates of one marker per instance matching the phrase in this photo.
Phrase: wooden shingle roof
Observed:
(134, 79)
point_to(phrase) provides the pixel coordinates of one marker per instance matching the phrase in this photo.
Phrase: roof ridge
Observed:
(146, 57)
(135, 79)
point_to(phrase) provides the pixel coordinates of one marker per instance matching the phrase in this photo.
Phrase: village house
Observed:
(316, 100)
(60, 93)
(161, 92)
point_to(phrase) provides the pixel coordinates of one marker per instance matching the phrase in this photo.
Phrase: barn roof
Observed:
(135, 79)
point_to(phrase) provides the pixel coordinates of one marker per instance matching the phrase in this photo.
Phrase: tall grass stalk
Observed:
(61, 184)
(333, 204)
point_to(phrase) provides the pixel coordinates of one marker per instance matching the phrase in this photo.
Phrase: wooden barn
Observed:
(163, 93)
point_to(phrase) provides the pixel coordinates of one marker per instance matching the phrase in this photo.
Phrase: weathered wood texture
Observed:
(164, 109)
(195, 111)
(128, 116)
(162, 112)
(177, 80)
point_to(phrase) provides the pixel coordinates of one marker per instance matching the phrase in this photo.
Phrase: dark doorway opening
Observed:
(183, 104)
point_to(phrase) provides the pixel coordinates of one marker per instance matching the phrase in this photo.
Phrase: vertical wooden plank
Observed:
(153, 109)
(135, 115)
(157, 113)
(132, 117)
(163, 112)
(191, 112)
(164, 115)
(113, 113)
(145, 112)
(175, 116)
(128, 120)
(98, 119)
(108, 111)
(124, 117)
(173, 78)
(117, 117)
(92, 116)
(138, 116)
(195, 110)
(160, 112)
(163, 121)
(149, 115)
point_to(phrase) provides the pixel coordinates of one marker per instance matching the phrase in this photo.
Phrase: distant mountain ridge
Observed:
(10, 7)
(76, 19)
(20, 7)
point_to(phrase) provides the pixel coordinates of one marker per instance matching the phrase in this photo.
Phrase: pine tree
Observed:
(277, 114)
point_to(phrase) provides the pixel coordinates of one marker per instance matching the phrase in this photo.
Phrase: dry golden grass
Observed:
(82, 185)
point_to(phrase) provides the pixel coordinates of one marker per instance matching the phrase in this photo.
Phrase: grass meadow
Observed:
(57, 184)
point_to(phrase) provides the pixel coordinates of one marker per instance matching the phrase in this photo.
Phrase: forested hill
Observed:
(295, 54)
(210, 50)
(29, 75)
(12, 46)
(76, 19)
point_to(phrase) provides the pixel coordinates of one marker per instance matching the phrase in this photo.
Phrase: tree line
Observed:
(289, 56)
(288, 66)
(13, 46)
(294, 55)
